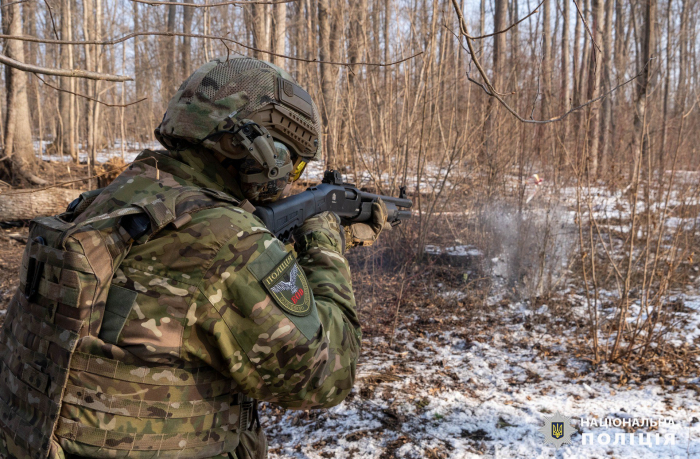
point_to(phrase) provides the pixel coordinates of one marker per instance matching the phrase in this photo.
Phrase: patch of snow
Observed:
(484, 397)
(454, 251)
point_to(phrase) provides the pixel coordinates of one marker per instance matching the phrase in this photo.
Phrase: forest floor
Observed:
(455, 364)
(459, 385)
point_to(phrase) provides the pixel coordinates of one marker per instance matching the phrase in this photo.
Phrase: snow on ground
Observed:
(480, 390)
(131, 150)
(454, 251)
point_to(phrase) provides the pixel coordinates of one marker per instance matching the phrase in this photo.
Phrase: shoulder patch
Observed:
(284, 280)
(287, 284)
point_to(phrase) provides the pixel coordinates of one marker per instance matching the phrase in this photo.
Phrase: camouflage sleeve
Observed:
(285, 330)
(320, 244)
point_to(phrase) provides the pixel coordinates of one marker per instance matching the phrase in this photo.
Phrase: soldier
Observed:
(207, 313)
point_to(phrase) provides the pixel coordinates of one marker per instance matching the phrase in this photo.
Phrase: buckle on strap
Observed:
(249, 416)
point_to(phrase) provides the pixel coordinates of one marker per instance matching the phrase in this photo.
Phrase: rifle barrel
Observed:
(398, 202)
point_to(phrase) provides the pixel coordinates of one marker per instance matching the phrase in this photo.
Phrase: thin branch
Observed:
(511, 26)
(210, 5)
(88, 97)
(75, 73)
(585, 23)
(14, 3)
(488, 88)
(53, 24)
(191, 35)
(228, 50)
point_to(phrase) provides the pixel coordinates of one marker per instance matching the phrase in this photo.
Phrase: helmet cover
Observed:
(216, 97)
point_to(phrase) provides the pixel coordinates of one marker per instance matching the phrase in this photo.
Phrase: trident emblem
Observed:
(557, 430)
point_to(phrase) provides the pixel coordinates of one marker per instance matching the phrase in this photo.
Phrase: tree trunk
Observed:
(619, 35)
(565, 81)
(26, 206)
(356, 44)
(546, 59)
(261, 33)
(641, 136)
(187, 41)
(87, 33)
(18, 147)
(64, 141)
(577, 59)
(482, 20)
(97, 108)
(606, 116)
(566, 58)
(594, 88)
(514, 46)
(667, 85)
(324, 47)
(499, 64)
(682, 58)
(170, 55)
(279, 37)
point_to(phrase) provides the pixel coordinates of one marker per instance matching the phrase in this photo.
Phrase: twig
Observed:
(398, 305)
(13, 3)
(75, 73)
(491, 91)
(175, 34)
(585, 23)
(210, 5)
(511, 26)
(88, 97)
(228, 50)
(53, 24)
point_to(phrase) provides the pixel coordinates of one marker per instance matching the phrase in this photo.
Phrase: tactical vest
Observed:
(56, 369)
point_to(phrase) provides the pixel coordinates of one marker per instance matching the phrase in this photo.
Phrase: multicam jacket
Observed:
(210, 307)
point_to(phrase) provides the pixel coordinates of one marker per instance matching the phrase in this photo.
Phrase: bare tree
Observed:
(187, 41)
(170, 54)
(65, 141)
(279, 36)
(606, 84)
(641, 135)
(499, 71)
(327, 83)
(18, 149)
(566, 57)
(594, 72)
(546, 62)
(667, 87)
(261, 29)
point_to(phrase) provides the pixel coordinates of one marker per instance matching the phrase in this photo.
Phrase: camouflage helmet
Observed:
(238, 107)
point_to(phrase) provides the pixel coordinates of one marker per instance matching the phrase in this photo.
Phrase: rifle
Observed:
(344, 199)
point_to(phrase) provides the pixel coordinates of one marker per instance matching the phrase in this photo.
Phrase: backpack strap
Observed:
(79, 204)
(172, 206)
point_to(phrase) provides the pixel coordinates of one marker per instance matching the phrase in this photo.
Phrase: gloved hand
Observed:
(322, 230)
(363, 234)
